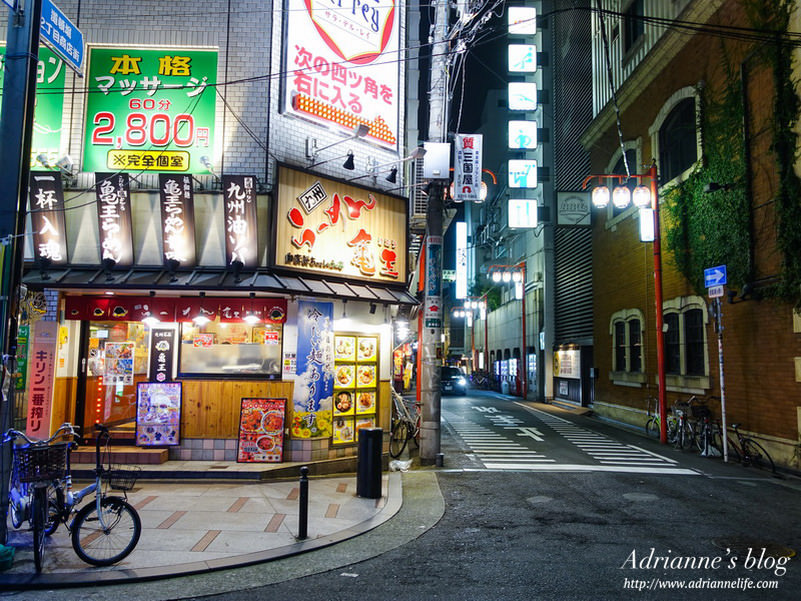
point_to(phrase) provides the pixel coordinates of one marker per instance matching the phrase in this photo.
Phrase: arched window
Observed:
(678, 143)
(626, 329)
(686, 345)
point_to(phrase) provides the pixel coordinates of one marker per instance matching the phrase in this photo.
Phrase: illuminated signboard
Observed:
(467, 167)
(523, 135)
(522, 173)
(177, 219)
(461, 260)
(150, 110)
(522, 20)
(522, 58)
(50, 77)
(353, 233)
(239, 207)
(522, 212)
(112, 192)
(47, 217)
(522, 96)
(342, 65)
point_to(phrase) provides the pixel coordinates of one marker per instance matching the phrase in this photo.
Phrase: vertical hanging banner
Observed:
(162, 353)
(43, 371)
(177, 218)
(150, 110)
(239, 198)
(342, 65)
(314, 379)
(47, 217)
(432, 314)
(467, 167)
(112, 191)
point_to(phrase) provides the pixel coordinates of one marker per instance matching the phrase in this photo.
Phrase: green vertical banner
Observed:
(47, 126)
(150, 110)
(23, 336)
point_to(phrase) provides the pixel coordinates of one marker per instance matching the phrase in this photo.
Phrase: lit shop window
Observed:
(231, 348)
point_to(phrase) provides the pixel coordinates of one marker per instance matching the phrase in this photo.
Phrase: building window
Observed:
(626, 333)
(633, 25)
(678, 143)
(685, 338)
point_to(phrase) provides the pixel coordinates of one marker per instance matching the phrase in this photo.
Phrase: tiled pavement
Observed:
(196, 526)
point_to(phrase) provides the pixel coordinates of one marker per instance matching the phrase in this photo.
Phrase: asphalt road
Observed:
(536, 504)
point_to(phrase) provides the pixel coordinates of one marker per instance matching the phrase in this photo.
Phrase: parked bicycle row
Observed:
(691, 424)
(103, 531)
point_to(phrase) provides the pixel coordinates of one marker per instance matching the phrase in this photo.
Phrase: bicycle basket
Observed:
(122, 478)
(700, 411)
(38, 463)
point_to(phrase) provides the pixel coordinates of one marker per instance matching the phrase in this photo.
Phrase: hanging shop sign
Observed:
(522, 20)
(261, 431)
(239, 206)
(342, 66)
(162, 354)
(47, 217)
(461, 260)
(47, 117)
(522, 96)
(522, 212)
(40, 385)
(62, 35)
(166, 309)
(467, 167)
(177, 219)
(522, 173)
(522, 58)
(23, 336)
(112, 191)
(150, 110)
(573, 208)
(522, 135)
(314, 380)
(352, 233)
(158, 414)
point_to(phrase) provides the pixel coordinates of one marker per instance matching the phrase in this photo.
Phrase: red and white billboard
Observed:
(342, 65)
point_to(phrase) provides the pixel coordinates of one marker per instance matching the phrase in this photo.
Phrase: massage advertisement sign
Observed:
(342, 65)
(150, 110)
(47, 127)
(333, 228)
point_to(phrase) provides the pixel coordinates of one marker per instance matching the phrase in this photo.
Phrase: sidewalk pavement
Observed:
(194, 526)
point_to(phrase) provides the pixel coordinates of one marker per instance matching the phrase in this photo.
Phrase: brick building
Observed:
(698, 95)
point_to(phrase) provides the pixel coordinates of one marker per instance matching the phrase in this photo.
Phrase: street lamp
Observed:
(646, 198)
(517, 274)
(474, 305)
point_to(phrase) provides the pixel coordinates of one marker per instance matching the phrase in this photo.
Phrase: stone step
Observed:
(123, 455)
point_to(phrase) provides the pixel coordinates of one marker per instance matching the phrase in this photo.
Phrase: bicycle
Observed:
(749, 452)
(653, 424)
(20, 494)
(405, 427)
(103, 532)
(684, 434)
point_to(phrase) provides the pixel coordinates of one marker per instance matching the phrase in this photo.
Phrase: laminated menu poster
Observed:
(158, 414)
(261, 431)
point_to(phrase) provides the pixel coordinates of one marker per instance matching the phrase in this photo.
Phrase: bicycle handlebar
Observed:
(65, 429)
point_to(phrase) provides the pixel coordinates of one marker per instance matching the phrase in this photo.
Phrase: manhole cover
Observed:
(739, 545)
(539, 499)
(640, 496)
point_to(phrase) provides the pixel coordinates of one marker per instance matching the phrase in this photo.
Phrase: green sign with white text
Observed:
(50, 77)
(150, 110)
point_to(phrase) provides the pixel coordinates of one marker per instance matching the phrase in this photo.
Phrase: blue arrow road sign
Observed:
(60, 34)
(715, 276)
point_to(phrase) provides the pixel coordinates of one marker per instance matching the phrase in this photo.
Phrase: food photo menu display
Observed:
(261, 431)
(355, 385)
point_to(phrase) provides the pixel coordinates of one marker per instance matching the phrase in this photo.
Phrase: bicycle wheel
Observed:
(15, 510)
(398, 438)
(55, 501)
(755, 454)
(38, 522)
(717, 444)
(652, 428)
(104, 547)
(684, 436)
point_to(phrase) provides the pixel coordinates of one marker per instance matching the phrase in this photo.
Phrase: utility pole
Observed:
(16, 127)
(431, 335)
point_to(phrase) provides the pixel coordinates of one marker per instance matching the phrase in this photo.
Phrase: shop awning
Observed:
(211, 281)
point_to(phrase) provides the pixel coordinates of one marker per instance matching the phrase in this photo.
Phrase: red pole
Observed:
(660, 334)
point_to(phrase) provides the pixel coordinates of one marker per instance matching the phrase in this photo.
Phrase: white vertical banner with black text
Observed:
(468, 151)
